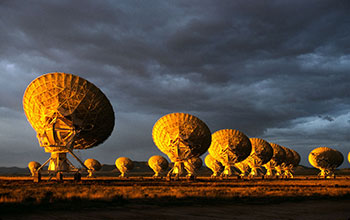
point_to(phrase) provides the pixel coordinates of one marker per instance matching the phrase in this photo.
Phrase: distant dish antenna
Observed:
(243, 168)
(229, 146)
(273, 167)
(214, 165)
(124, 165)
(93, 165)
(261, 153)
(158, 164)
(68, 113)
(181, 137)
(296, 158)
(326, 160)
(33, 166)
(293, 162)
(287, 165)
(193, 165)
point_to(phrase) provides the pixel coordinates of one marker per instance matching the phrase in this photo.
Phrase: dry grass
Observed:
(24, 191)
(145, 198)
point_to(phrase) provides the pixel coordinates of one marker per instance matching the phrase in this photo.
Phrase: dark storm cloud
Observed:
(327, 117)
(269, 69)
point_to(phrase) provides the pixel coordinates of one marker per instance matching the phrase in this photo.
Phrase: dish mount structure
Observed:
(68, 113)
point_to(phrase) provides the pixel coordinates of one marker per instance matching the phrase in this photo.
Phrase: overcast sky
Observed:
(278, 70)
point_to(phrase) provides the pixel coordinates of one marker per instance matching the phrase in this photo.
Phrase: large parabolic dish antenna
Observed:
(68, 113)
(326, 160)
(229, 147)
(181, 137)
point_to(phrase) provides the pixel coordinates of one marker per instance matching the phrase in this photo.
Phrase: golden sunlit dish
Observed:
(229, 147)
(124, 165)
(326, 160)
(273, 166)
(68, 113)
(261, 153)
(158, 164)
(93, 166)
(181, 137)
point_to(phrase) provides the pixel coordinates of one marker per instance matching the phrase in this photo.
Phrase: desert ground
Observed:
(304, 197)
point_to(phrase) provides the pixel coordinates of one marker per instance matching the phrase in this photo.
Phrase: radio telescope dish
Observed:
(196, 162)
(33, 166)
(181, 137)
(60, 106)
(277, 159)
(158, 164)
(213, 164)
(326, 160)
(67, 112)
(287, 165)
(193, 165)
(124, 165)
(93, 166)
(229, 147)
(296, 158)
(261, 153)
(243, 168)
(294, 162)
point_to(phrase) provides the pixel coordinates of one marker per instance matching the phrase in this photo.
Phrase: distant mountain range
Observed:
(13, 170)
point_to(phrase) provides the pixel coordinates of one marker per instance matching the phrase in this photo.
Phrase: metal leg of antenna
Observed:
(156, 175)
(50, 176)
(90, 174)
(123, 175)
(190, 173)
(169, 174)
(46, 162)
(77, 158)
(58, 165)
(71, 164)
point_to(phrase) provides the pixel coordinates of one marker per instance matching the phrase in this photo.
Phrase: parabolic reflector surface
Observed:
(181, 136)
(261, 153)
(279, 155)
(325, 158)
(213, 164)
(63, 107)
(289, 156)
(158, 163)
(230, 146)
